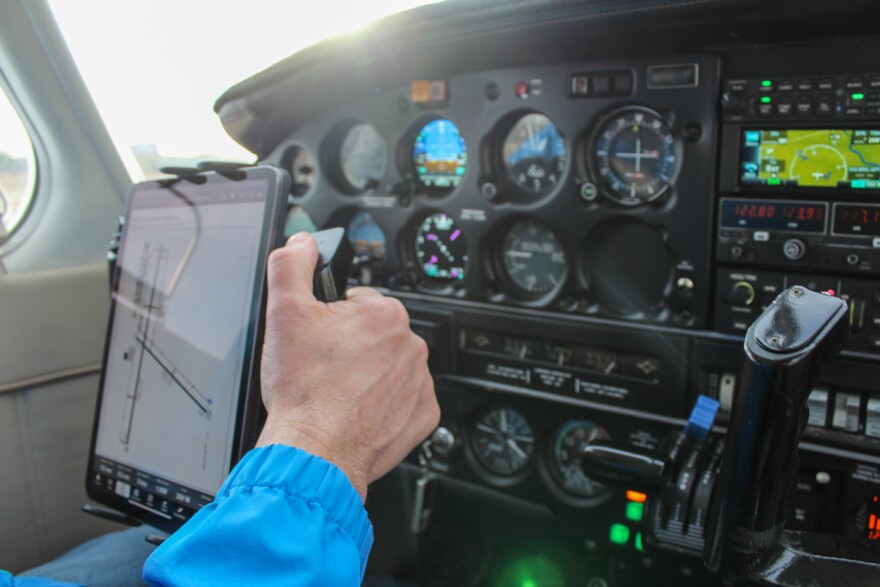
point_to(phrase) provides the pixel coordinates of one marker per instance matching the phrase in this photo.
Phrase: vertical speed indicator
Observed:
(633, 155)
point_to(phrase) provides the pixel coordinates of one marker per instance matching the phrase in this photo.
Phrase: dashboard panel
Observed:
(583, 241)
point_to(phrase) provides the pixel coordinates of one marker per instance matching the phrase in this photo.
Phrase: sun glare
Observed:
(155, 69)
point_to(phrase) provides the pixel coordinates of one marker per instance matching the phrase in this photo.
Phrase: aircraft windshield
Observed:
(199, 50)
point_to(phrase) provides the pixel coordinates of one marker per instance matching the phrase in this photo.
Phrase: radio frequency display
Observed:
(773, 215)
(820, 158)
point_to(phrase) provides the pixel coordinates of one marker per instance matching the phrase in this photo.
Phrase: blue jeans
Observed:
(116, 560)
(110, 560)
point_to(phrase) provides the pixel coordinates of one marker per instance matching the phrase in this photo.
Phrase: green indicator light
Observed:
(766, 83)
(634, 511)
(639, 542)
(774, 181)
(619, 534)
(531, 571)
(858, 97)
(859, 184)
(766, 99)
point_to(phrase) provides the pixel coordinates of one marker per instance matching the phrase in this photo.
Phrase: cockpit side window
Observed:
(18, 168)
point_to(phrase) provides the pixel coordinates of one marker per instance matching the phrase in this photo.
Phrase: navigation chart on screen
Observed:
(812, 158)
(174, 364)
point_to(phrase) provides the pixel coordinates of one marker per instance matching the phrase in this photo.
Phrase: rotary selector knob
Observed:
(794, 249)
(741, 294)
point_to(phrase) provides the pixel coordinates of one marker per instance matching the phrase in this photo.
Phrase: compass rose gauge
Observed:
(633, 155)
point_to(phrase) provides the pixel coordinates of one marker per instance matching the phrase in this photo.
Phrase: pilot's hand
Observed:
(346, 381)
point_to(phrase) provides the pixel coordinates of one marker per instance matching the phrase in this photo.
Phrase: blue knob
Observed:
(701, 419)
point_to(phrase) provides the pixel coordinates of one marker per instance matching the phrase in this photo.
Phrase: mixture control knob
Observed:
(741, 294)
(442, 440)
(794, 249)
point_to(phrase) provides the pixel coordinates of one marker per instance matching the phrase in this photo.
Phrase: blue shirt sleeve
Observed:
(7, 580)
(282, 517)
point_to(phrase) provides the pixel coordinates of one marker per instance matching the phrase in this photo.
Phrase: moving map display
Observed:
(819, 158)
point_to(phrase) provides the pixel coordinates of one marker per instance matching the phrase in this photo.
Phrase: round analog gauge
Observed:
(534, 155)
(367, 237)
(441, 248)
(532, 258)
(503, 441)
(303, 170)
(634, 156)
(565, 458)
(439, 157)
(362, 157)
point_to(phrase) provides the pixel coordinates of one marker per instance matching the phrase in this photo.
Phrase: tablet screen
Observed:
(186, 299)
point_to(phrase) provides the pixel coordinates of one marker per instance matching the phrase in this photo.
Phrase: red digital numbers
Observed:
(755, 210)
(801, 213)
(863, 216)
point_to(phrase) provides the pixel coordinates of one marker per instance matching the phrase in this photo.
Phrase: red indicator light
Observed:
(636, 496)
(521, 89)
(831, 292)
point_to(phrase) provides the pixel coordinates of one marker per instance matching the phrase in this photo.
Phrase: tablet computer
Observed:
(179, 399)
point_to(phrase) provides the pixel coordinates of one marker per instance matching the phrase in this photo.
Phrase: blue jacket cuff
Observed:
(310, 478)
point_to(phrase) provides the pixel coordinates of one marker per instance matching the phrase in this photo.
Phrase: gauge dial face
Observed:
(565, 460)
(441, 248)
(634, 155)
(534, 155)
(439, 157)
(362, 157)
(503, 441)
(533, 259)
(367, 237)
(303, 170)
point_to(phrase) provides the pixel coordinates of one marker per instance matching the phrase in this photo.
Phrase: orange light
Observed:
(872, 522)
(636, 496)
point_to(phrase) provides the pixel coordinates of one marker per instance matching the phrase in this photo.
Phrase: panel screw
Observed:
(797, 292)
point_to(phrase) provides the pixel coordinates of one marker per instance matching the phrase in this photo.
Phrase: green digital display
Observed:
(813, 158)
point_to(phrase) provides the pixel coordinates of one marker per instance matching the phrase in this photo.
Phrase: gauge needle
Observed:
(488, 429)
(515, 448)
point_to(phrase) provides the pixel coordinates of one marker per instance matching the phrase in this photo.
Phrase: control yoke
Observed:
(739, 529)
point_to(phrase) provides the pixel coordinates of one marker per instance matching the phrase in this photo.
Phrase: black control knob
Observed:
(733, 103)
(741, 294)
(794, 249)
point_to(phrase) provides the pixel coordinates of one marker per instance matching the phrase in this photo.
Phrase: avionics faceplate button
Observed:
(855, 83)
(872, 418)
(818, 406)
(805, 85)
(846, 412)
(825, 105)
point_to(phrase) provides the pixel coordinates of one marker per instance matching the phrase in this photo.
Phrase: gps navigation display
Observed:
(187, 293)
(812, 158)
